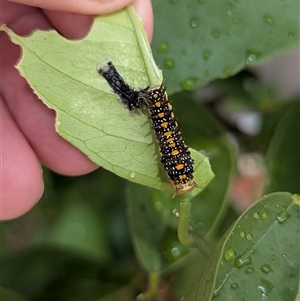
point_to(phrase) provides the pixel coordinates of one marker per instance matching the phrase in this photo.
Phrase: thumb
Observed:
(86, 7)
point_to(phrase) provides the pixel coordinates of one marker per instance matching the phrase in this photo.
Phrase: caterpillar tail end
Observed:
(184, 187)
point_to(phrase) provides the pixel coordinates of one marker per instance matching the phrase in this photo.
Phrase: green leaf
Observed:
(10, 295)
(63, 74)
(258, 258)
(79, 230)
(201, 40)
(283, 159)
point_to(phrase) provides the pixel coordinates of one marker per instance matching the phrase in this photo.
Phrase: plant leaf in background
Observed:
(200, 40)
(259, 256)
(283, 159)
(64, 75)
(9, 295)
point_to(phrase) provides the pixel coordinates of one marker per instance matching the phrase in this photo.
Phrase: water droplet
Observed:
(251, 56)
(132, 175)
(163, 47)
(169, 64)
(234, 285)
(58, 123)
(291, 35)
(173, 1)
(201, 1)
(265, 287)
(249, 270)
(206, 54)
(265, 268)
(175, 252)
(242, 234)
(194, 22)
(158, 206)
(215, 33)
(206, 73)
(282, 216)
(243, 259)
(269, 20)
(229, 8)
(255, 215)
(236, 20)
(249, 236)
(227, 70)
(273, 257)
(75, 232)
(230, 31)
(263, 215)
(189, 83)
(229, 254)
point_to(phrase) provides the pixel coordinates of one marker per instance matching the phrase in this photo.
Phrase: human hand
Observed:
(27, 132)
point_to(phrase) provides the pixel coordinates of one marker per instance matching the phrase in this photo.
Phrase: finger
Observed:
(74, 26)
(21, 181)
(70, 25)
(144, 10)
(87, 7)
(37, 121)
(22, 19)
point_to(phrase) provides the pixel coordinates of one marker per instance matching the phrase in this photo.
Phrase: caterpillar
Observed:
(175, 156)
(127, 95)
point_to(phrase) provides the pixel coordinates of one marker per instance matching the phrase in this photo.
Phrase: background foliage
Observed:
(99, 237)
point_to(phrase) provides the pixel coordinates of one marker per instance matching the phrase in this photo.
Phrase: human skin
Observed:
(27, 131)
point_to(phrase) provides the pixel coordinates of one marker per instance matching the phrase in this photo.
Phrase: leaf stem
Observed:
(154, 74)
(186, 234)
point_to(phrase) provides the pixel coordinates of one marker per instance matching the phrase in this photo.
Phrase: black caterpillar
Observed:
(175, 155)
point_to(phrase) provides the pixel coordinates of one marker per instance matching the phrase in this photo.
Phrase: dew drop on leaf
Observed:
(282, 216)
(265, 268)
(206, 73)
(194, 22)
(255, 215)
(243, 259)
(227, 70)
(236, 20)
(291, 35)
(169, 64)
(229, 254)
(132, 175)
(229, 8)
(206, 54)
(175, 252)
(263, 215)
(249, 270)
(215, 33)
(269, 20)
(234, 285)
(189, 83)
(163, 47)
(265, 286)
(249, 236)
